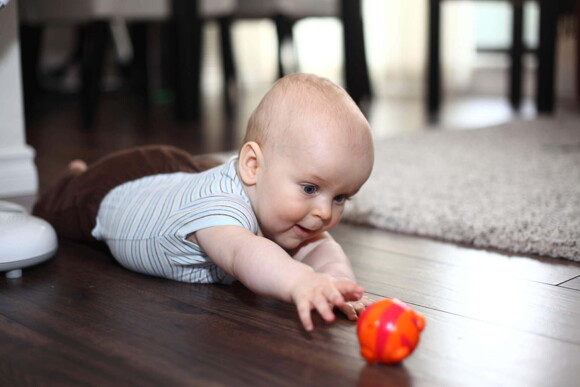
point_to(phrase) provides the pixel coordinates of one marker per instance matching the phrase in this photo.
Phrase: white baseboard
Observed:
(18, 174)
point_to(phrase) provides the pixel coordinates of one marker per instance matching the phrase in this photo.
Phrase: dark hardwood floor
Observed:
(80, 319)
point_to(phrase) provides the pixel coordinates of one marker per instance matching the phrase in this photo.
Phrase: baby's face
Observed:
(303, 189)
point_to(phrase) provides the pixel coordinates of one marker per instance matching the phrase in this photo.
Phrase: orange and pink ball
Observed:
(388, 331)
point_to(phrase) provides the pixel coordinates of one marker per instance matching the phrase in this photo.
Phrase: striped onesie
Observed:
(145, 222)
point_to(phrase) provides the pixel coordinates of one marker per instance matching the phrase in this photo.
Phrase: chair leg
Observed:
(433, 60)
(139, 69)
(30, 37)
(546, 56)
(187, 52)
(516, 52)
(356, 69)
(577, 13)
(95, 36)
(228, 62)
(284, 32)
(168, 66)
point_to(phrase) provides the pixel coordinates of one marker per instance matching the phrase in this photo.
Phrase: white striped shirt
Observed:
(145, 222)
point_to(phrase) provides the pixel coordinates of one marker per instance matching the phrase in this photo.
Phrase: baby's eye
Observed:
(340, 198)
(309, 189)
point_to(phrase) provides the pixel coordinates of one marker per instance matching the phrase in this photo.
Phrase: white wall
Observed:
(18, 175)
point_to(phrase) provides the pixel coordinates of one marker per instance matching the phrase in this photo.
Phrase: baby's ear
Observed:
(249, 163)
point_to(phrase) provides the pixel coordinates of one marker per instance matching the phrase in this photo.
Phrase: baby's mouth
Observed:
(304, 232)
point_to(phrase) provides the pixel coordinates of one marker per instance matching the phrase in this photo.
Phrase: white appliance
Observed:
(25, 240)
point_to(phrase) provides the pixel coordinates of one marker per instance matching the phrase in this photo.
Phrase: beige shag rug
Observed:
(514, 187)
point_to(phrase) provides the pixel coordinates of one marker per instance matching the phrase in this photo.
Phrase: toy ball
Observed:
(388, 331)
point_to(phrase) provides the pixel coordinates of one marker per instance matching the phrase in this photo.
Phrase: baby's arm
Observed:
(325, 255)
(265, 268)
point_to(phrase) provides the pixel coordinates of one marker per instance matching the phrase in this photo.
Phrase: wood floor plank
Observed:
(541, 269)
(177, 332)
(573, 283)
(459, 351)
(83, 319)
(482, 294)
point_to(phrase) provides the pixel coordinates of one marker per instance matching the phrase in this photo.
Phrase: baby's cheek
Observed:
(292, 211)
(337, 216)
(290, 205)
(281, 211)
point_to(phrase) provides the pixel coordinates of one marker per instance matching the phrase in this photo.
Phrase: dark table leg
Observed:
(139, 69)
(187, 32)
(228, 64)
(433, 59)
(96, 37)
(30, 45)
(516, 53)
(284, 33)
(546, 56)
(577, 13)
(356, 69)
(577, 20)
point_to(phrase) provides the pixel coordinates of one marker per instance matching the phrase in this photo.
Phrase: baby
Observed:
(261, 218)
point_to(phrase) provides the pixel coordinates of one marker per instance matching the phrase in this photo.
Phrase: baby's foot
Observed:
(77, 166)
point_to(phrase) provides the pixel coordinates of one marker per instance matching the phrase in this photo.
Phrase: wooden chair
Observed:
(93, 17)
(286, 13)
(549, 13)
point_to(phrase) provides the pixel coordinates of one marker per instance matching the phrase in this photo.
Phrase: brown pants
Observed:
(71, 204)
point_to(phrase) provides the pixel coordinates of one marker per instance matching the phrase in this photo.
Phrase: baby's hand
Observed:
(322, 292)
(353, 309)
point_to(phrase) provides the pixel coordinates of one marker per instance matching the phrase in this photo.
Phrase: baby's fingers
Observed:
(349, 310)
(322, 307)
(353, 309)
(333, 296)
(366, 301)
(304, 308)
(323, 302)
(349, 290)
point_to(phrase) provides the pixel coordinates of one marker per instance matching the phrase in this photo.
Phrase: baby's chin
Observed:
(289, 241)
(294, 245)
(287, 244)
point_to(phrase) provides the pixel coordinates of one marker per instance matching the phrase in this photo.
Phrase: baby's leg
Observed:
(56, 205)
(71, 205)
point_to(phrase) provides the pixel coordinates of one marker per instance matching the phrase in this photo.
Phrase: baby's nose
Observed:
(323, 211)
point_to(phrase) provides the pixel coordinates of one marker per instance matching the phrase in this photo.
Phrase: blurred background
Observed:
(476, 38)
(138, 85)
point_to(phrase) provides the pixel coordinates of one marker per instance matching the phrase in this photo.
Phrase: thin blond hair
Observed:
(294, 95)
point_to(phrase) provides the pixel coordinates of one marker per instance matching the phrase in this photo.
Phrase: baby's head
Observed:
(308, 148)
